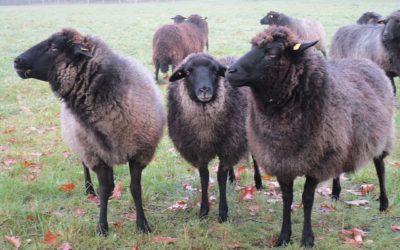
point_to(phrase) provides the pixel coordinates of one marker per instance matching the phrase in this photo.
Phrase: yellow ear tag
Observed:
(296, 46)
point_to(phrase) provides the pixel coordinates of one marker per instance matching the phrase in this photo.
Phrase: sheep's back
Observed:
(309, 30)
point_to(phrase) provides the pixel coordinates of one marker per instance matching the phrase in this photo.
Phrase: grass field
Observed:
(34, 161)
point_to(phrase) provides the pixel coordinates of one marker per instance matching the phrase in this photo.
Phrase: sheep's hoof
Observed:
(102, 229)
(222, 218)
(307, 241)
(259, 186)
(283, 240)
(203, 213)
(89, 190)
(335, 197)
(384, 204)
(143, 226)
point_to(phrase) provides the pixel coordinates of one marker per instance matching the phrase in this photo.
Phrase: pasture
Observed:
(35, 163)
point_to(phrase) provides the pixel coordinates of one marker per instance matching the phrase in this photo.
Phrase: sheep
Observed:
(173, 42)
(111, 111)
(206, 118)
(378, 43)
(178, 19)
(307, 30)
(311, 117)
(369, 18)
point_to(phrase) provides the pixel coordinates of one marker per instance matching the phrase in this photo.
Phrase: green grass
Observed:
(128, 29)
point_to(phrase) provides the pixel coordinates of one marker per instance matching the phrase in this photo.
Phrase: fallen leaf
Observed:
(395, 228)
(324, 191)
(239, 171)
(117, 191)
(79, 212)
(135, 247)
(50, 238)
(130, 216)
(30, 217)
(67, 154)
(4, 147)
(14, 240)
(65, 246)
(9, 162)
(66, 188)
(25, 110)
(248, 193)
(180, 205)
(366, 188)
(187, 186)
(354, 192)
(266, 177)
(93, 199)
(326, 208)
(28, 164)
(234, 246)
(253, 209)
(164, 240)
(352, 242)
(9, 130)
(118, 224)
(296, 206)
(357, 203)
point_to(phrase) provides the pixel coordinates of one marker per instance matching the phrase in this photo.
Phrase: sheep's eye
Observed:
(53, 48)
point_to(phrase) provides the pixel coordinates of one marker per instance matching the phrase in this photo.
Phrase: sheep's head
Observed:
(201, 74)
(369, 18)
(198, 20)
(271, 18)
(178, 19)
(266, 66)
(391, 31)
(38, 62)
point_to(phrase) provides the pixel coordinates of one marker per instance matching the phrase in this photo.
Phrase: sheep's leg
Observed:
(307, 238)
(287, 196)
(231, 173)
(204, 178)
(223, 205)
(207, 45)
(380, 170)
(105, 175)
(393, 84)
(88, 181)
(135, 170)
(336, 188)
(257, 175)
(157, 70)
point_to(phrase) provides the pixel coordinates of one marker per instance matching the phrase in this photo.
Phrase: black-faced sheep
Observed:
(306, 30)
(173, 42)
(310, 117)
(111, 111)
(178, 19)
(378, 43)
(369, 18)
(206, 118)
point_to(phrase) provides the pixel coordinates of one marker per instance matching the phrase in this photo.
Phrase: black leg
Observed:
(157, 70)
(393, 84)
(257, 175)
(204, 178)
(223, 206)
(380, 170)
(336, 188)
(287, 196)
(207, 45)
(135, 170)
(231, 173)
(307, 239)
(105, 175)
(88, 181)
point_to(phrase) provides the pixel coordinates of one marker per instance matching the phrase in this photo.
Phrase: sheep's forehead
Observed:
(275, 34)
(198, 62)
(71, 35)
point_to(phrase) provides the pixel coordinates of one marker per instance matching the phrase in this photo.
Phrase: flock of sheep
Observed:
(294, 111)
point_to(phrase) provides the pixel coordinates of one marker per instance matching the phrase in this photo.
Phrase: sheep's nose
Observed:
(232, 70)
(204, 89)
(17, 60)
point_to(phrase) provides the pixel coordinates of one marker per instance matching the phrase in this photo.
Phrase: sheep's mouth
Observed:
(23, 73)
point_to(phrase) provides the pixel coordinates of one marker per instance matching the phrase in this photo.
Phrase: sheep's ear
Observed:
(221, 70)
(80, 50)
(381, 21)
(299, 48)
(177, 75)
(204, 18)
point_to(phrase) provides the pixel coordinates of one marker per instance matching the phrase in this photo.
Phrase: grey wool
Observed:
(173, 42)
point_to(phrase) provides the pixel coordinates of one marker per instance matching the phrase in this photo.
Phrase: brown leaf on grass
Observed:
(130, 216)
(357, 235)
(352, 242)
(25, 110)
(66, 188)
(13, 240)
(4, 147)
(9, 162)
(357, 203)
(188, 186)
(253, 209)
(326, 208)
(67, 154)
(118, 224)
(234, 246)
(9, 130)
(296, 206)
(30, 177)
(266, 177)
(28, 164)
(179, 205)
(395, 228)
(50, 238)
(93, 199)
(30, 217)
(135, 247)
(65, 246)
(117, 191)
(272, 241)
(164, 240)
(239, 171)
(366, 188)
(248, 193)
(79, 212)
(324, 191)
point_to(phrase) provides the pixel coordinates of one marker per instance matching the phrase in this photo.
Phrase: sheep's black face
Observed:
(391, 31)
(202, 74)
(39, 61)
(178, 19)
(271, 18)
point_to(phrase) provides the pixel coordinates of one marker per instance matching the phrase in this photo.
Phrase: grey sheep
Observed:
(311, 117)
(378, 43)
(206, 118)
(306, 29)
(173, 42)
(369, 18)
(178, 19)
(111, 110)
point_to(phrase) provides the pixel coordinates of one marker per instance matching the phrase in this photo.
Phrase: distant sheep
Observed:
(307, 30)
(369, 18)
(311, 117)
(206, 118)
(378, 43)
(173, 42)
(111, 111)
(178, 19)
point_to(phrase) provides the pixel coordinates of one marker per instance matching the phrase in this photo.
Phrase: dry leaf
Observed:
(266, 177)
(50, 238)
(79, 212)
(366, 188)
(239, 171)
(357, 203)
(14, 240)
(395, 228)
(180, 205)
(117, 191)
(93, 199)
(130, 216)
(66, 188)
(135, 247)
(352, 242)
(326, 208)
(295, 206)
(9, 162)
(118, 224)
(253, 209)
(248, 193)
(234, 246)
(164, 240)
(324, 191)
(65, 246)
(67, 154)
